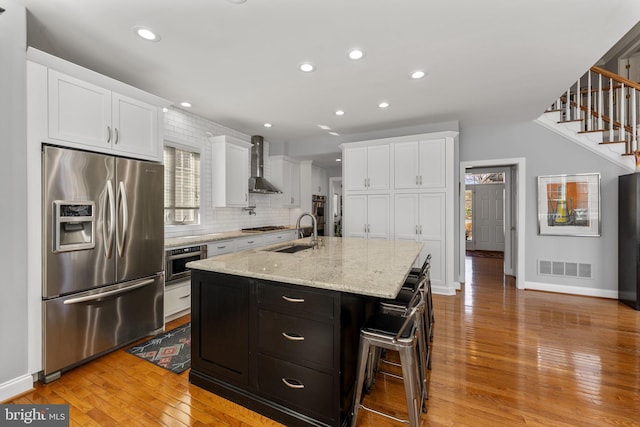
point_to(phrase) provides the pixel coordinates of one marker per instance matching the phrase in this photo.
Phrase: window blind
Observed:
(181, 186)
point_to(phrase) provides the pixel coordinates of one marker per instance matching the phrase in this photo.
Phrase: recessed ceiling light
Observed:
(237, 1)
(147, 34)
(356, 54)
(185, 104)
(165, 109)
(307, 67)
(338, 160)
(324, 127)
(417, 74)
(339, 113)
(383, 105)
(268, 125)
(334, 133)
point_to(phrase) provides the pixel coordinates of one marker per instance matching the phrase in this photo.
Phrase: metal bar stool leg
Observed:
(363, 357)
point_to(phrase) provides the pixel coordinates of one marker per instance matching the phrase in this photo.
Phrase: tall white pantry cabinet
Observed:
(403, 188)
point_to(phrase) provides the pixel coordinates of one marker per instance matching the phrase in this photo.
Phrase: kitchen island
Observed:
(278, 332)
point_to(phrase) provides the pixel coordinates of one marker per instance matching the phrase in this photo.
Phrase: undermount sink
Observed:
(291, 249)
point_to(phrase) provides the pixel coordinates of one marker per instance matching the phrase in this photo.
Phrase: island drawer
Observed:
(295, 299)
(302, 389)
(300, 340)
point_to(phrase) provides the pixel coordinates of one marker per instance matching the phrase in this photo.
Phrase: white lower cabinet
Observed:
(367, 216)
(177, 300)
(420, 217)
(220, 248)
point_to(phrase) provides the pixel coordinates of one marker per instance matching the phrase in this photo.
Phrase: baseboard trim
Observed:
(573, 290)
(15, 387)
(442, 290)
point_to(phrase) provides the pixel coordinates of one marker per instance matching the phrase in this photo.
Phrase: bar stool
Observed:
(406, 336)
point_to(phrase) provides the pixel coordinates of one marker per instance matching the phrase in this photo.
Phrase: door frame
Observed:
(515, 204)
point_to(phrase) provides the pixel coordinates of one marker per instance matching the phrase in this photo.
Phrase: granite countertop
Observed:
(174, 242)
(368, 267)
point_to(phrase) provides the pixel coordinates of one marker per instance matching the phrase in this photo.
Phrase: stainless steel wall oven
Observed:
(176, 260)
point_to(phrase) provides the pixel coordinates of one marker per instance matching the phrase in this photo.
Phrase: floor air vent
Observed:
(565, 269)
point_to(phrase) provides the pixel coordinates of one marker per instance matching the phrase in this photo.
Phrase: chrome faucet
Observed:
(314, 238)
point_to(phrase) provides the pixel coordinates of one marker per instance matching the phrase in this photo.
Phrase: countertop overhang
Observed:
(375, 268)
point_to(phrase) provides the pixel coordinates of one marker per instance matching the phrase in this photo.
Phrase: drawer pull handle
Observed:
(222, 247)
(289, 299)
(293, 336)
(185, 296)
(291, 383)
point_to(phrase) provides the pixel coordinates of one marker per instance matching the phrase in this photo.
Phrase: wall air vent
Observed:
(564, 269)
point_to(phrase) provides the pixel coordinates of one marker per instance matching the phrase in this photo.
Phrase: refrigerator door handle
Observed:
(108, 293)
(122, 204)
(107, 234)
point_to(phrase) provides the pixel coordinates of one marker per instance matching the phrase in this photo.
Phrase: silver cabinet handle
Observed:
(417, 180)
(107, 234)
(117, 135)
(122, 204)
(289, 299)
(420, 228)
(420, 179)
(222, 247)
(185, 296)
(108, 134)
(291, 383)
(417, 230)
(108, 293)
(293, 336)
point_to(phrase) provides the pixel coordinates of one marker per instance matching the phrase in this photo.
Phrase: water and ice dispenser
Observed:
(74, 227)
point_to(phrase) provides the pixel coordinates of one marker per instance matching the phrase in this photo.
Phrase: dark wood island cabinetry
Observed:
(286, 351)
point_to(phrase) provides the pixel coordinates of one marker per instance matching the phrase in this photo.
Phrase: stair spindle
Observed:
(621, 101)
(578, 115)
(611, 112)
(567, 104)
(600, 103)
(634, 136)
(588, 115)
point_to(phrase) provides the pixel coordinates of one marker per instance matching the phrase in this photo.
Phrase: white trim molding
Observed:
(15, 387)
(573, 290)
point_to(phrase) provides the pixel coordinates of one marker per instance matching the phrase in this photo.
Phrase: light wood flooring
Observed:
(501, 357)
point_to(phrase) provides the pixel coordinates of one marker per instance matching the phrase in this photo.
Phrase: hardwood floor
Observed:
(501, 357)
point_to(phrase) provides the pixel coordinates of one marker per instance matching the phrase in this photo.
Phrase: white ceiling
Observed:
(486, 61)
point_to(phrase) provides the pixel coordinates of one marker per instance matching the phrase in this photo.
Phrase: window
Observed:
(181, 186)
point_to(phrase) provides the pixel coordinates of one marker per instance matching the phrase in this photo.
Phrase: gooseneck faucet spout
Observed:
(314, 237)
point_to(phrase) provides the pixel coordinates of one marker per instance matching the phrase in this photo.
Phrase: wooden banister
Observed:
(616, 77)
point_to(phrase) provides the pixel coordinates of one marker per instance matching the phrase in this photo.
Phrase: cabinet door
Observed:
(318, 181)
(432, 233)
(355, 216)
(432, 163)
(237, 176)
(406, 212)
(293, 175)
(135, 127)
(378, 210)
(378, 167)
(220, 316)
(79, 112)
(406, 161)
(355, 169)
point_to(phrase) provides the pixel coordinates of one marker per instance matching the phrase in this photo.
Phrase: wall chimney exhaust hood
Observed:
(257, 182)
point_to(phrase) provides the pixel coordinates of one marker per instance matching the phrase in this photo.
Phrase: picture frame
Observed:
(569, 205)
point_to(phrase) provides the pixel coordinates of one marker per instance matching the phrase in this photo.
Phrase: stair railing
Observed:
(604, 102)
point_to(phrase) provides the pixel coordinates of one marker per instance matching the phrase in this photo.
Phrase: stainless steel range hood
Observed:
(257, 182)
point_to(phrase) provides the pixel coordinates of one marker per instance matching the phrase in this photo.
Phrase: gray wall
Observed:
(13, 193)
(549, 154)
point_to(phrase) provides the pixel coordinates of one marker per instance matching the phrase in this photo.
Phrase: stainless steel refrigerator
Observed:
(103, 248)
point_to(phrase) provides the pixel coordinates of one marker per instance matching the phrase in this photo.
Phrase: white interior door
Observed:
(488, 217)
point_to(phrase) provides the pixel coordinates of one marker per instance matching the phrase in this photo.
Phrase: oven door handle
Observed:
(185, 255)
(109, 293)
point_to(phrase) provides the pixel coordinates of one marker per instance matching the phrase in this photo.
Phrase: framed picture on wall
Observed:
(569, 205)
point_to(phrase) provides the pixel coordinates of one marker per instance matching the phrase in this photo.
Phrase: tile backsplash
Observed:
(185, 129)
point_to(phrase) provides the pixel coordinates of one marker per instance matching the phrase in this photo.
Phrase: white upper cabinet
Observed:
(285, 174)
(420, 164)
(230, 165)
(319, 181)
(83, 113)
(366, 168)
